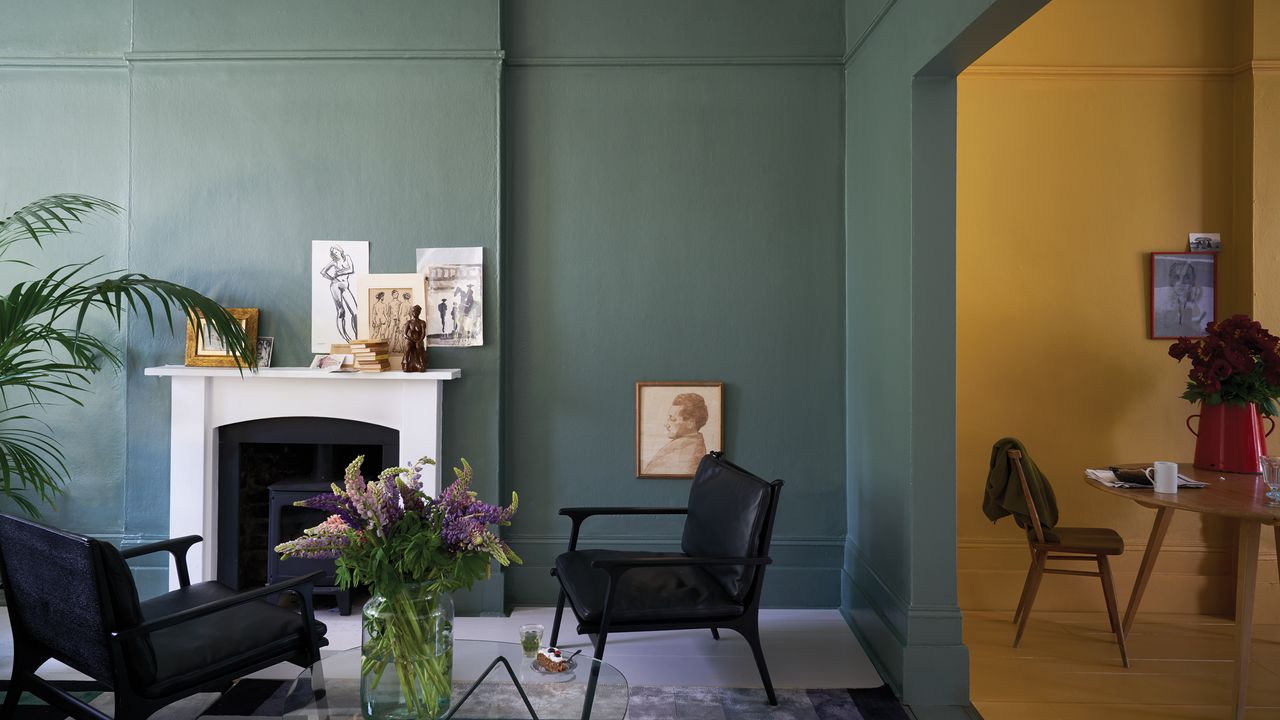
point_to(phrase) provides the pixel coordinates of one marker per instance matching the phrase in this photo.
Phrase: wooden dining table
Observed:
(1239, 497)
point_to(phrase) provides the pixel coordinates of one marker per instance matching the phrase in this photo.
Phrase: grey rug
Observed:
(271, 699)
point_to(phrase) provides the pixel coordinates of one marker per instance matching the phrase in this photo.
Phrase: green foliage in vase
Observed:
(46, 355)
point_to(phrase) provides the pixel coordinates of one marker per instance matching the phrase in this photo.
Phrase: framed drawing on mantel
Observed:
(1183, 293)
(206, 349)
(387, 299)
(676, 424)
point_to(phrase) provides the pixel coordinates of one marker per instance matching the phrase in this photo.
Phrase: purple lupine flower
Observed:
(324, 541)
(334, 503)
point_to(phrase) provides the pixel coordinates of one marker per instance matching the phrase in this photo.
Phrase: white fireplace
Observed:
(205, 399)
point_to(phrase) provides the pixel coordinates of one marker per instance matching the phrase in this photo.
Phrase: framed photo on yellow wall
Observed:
(1184, 294)
(206, 349)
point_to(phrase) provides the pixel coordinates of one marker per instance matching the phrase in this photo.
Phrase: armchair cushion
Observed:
(210, 646)
(643, 594)
(727, 509)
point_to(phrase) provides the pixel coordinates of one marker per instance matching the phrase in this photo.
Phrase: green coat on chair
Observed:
(1004, 490)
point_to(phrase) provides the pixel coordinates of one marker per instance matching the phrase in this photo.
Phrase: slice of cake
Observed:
(550, 660)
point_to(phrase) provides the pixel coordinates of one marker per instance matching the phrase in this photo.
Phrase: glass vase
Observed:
(406, 663)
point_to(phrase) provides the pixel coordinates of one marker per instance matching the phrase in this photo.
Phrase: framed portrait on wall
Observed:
(1183, 293)
(206, 349)
(676, 424)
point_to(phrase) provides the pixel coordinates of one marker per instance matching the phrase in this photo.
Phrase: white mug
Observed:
(1164, 475)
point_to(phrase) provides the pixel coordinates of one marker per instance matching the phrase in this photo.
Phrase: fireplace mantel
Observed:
(205, 399)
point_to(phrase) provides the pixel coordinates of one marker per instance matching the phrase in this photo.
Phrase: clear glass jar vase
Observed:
(406, 664)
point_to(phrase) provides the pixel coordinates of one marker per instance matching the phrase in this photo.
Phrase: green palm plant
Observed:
(47, 355)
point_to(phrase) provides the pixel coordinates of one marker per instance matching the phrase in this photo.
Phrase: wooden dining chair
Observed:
(1075, 545)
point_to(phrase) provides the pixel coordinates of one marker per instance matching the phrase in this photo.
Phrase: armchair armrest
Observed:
(177, 547)
(290, 585)
(582, 513)
(579, 514)
(675, 561)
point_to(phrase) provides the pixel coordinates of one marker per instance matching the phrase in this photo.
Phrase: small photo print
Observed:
(265, 345)
(677, 423)
(1183, 294)
(1204, 242)
(209, 343)
(331, 363)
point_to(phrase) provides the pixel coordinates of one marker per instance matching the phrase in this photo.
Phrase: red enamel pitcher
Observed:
(1230, 437)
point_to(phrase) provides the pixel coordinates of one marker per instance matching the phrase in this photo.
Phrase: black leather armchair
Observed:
(713, 583)
(72, 598)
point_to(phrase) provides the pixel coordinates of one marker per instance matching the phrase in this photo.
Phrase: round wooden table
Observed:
(1236, 496)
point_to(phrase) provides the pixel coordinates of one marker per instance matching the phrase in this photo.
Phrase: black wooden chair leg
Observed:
(715, 633)
(11, 696)
(555, 626)
(751, 632)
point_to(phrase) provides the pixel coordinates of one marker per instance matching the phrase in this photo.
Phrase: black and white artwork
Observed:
(454, 281)
(335, 309)
(265, 346)
(1183, 293)
(387, 299)
(1204, 242)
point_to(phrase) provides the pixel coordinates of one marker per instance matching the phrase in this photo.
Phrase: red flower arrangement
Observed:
(1238, 362)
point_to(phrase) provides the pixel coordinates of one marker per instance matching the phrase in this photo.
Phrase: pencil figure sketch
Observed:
(388, 312)
(335, 308)
(454, 307)
(386, 300)
(1182, 294)
(676, 425)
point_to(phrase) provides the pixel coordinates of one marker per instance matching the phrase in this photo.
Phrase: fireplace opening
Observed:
(264, 466)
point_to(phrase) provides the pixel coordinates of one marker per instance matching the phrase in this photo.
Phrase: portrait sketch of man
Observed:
(676, 425)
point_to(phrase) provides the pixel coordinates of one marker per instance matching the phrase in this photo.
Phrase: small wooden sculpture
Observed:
(415, 331)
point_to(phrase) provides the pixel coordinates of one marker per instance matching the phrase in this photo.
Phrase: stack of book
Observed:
(371, 355)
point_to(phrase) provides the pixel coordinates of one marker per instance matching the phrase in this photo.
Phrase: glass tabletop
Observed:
(590, 689)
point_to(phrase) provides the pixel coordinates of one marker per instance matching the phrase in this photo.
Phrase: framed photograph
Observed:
(387, 300)
(676, 424)
(1202, 242)
(265, 345)
(1183, 293)
(205, 348)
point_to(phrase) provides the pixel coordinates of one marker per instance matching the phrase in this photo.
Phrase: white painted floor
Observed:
(804, 648)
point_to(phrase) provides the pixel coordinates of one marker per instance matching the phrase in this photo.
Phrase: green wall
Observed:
(65, 125)
(673, 208)
(899, 579)
(670, 176)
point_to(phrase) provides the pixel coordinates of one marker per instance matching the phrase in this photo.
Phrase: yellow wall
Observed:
(1099, 131)
(1262, 203)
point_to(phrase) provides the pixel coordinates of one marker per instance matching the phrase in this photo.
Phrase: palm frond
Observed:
(31, 462)
(50, 215)
(46, 352)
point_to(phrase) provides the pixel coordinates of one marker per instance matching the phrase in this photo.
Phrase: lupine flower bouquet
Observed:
(412, 550)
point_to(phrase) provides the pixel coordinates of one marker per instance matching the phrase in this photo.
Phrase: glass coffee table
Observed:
(511, 689)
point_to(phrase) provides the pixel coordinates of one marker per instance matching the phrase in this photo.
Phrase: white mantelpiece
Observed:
(205, 399)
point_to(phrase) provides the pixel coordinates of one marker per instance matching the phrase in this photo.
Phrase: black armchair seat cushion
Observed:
(643, 594)
(212, 645)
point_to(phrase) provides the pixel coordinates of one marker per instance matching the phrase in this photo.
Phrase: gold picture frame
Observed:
(205, 349)
(677, 423)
